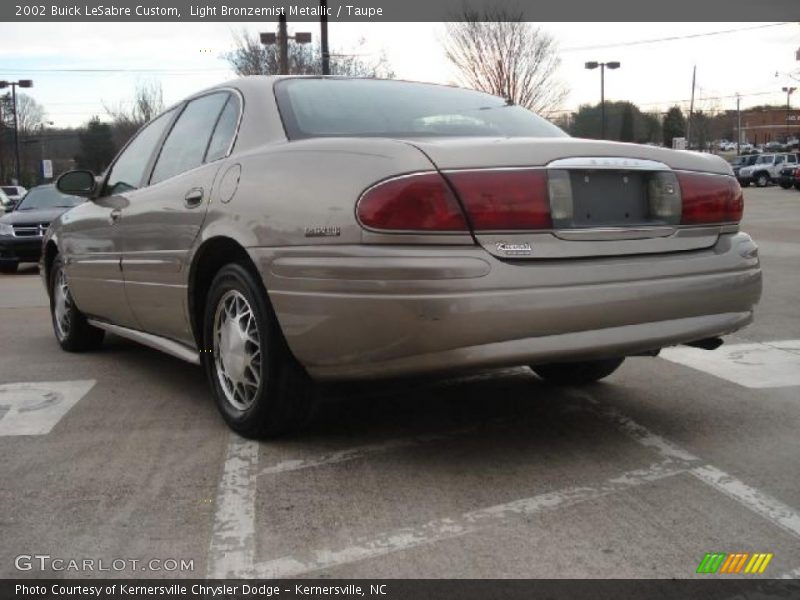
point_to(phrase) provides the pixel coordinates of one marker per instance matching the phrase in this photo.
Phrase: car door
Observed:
(90, 238)
(158, 228)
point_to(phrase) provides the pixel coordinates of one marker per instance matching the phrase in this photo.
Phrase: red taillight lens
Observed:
(421, 202)
(710, 199)
(504, 200)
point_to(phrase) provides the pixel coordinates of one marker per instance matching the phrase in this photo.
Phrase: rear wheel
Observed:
(577, 373)
(785, 185)
(762, 180)
(258, 385)
(72, 330)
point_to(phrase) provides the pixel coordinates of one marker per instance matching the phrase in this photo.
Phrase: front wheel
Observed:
(258, 385)
(9, 266)
(72, 330)
(577, 373)
(785, 185)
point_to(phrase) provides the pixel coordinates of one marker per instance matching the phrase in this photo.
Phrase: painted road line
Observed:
(448, 528)
(231, 553)
(772, 509)
(358, 452)
(755, 365)
(35, 408)
(768, 507)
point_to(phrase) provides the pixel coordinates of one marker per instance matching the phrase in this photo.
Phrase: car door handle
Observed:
(114, 216)
(193, 198)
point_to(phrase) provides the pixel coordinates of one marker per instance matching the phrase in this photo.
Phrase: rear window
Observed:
(381, 108)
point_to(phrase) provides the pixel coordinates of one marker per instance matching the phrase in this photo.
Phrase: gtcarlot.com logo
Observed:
(723, 563)
(45, 562)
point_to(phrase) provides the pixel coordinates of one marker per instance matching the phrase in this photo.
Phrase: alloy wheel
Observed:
(237, 350)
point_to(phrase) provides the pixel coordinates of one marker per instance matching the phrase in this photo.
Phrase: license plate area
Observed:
(607, 198)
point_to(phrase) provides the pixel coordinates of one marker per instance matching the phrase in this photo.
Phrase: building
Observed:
(769, 124)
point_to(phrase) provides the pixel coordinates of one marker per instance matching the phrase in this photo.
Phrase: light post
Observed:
(282, 39)
(611, 65)
(789, 91)
(23, 83)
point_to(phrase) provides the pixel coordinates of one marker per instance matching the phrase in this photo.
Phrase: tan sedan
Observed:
(281, 231)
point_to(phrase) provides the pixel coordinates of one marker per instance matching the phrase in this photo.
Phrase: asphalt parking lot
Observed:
(493, 475)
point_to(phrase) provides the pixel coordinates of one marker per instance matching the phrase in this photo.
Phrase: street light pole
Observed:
(282, 39)
(323, 38)
(789, 91)
(602, 65)
(23, 83)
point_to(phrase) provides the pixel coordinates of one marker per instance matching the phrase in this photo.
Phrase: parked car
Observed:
(787, 176)
(282, 231)
(766, 169)
(22, 230)
(15, 193)
(743, 160)
(6, 205)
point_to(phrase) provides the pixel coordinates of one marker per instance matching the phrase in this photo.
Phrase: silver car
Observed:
(282, 231)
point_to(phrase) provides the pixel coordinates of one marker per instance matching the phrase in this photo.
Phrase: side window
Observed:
(128, 171)
(779, 159)
(186, 144)
(224, 131)
(792, 158)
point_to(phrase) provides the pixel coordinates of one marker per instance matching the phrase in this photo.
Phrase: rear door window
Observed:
(185, 146)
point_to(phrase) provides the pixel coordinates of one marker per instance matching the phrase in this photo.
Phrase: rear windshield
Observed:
(382, 108)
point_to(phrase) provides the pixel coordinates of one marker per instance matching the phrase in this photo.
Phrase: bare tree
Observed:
(30, 114)
(127, 118)
(250, 57)
(496, 52)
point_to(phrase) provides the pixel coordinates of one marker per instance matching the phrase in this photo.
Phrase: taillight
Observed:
(710, 199)
(498, 200)
(420, 202)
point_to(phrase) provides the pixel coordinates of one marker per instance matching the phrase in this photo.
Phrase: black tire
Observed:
(283, 398)
(797, 186)
(577, 373)
(762, 180)
(9, 267)
(78, 336)
(785, 185)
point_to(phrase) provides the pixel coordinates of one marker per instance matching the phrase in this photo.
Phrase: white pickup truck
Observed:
(766, 169)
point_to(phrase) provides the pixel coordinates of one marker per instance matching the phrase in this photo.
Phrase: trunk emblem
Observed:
(522, 249)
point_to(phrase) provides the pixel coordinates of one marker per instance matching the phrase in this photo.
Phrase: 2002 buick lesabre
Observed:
(285, 230)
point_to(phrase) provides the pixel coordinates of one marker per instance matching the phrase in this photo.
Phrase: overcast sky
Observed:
(186, 57)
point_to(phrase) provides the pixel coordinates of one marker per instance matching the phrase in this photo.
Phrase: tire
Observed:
(762, 180)
(9, 267)
(259, 387)
(72, 330)
(797, 186)
(785, 185)
(577, 373)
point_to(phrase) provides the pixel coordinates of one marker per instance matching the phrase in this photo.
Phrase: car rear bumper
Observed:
(14, 249)
(366, 312)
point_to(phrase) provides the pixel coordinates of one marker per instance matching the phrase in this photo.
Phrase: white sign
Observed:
(35, 408)
(679, 143)
(47, 168)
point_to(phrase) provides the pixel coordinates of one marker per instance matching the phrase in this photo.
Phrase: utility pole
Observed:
(23, 83)
(283, 45)
(738, 123)
(691, 110)
(323, 38)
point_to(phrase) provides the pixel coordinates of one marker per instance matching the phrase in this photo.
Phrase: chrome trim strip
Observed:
(591, 234)
(153, 341)
(608, 162)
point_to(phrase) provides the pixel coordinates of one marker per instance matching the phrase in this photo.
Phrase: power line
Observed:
(672, 38)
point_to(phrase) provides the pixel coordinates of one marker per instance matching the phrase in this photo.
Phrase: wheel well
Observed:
(50, 253)
(210, 258)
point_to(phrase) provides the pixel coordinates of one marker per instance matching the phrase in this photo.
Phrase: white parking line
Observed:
(34, 408)
(233, 538)
(756, 365)
(772, 509)
(357, 452)
(469, 522)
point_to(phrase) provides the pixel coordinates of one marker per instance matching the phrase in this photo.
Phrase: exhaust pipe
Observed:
(711, 343)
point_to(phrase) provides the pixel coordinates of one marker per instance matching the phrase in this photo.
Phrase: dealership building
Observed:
(760, 126)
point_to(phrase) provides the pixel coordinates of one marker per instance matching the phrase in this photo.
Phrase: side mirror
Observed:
(77, 183)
